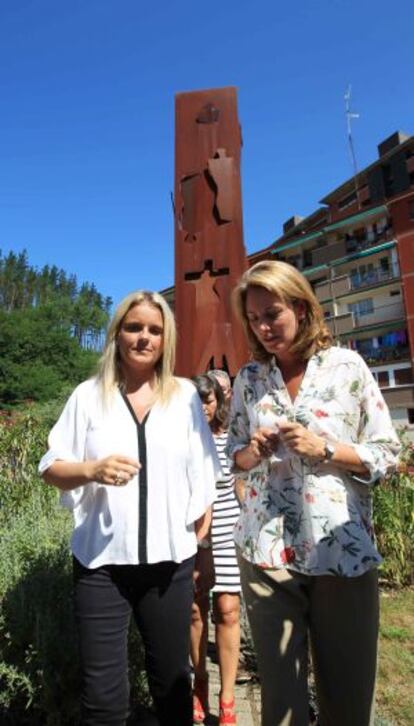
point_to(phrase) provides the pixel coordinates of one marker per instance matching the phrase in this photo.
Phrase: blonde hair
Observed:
(290, 287)
(110, 375)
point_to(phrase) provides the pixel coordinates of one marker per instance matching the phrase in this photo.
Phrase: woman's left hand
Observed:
(204, 576)
(297, 438)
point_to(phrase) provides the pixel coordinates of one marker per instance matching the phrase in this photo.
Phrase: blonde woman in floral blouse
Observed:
(311, 429)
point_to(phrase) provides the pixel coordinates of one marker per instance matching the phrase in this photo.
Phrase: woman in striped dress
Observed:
(226, 591)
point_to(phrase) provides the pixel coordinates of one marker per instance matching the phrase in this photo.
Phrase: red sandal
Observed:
(227, 713)
(200, 700)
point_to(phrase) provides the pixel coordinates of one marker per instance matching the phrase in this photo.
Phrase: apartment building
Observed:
(357, 250)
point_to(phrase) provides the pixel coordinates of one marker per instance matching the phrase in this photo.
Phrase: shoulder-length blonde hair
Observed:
(110, 371)
(291, 288)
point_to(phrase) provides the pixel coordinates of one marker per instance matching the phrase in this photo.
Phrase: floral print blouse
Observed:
(303, 515)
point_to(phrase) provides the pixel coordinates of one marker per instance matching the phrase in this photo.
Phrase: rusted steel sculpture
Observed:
(209, 250)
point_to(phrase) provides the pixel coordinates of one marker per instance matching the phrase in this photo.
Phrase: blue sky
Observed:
(87, 117)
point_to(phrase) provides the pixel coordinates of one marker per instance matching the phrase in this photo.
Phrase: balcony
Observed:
(341, 285)
(399, 396)
(333, 288)
(345, 323)
(328, 253)
(340, 324)
(358, 244)
(377, 276)
(381, 314)
(382, 355)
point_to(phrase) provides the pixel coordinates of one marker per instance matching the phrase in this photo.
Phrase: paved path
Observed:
(247, 694)
(247, 701)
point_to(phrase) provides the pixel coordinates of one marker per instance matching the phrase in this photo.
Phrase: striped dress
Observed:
(226, 512)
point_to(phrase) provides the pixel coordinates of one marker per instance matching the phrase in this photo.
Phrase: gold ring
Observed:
(118, 480)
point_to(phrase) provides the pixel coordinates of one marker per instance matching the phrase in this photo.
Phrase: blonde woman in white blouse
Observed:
(136, 463)
(311, 428)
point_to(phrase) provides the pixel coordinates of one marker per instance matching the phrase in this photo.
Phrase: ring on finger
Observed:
(118, 479)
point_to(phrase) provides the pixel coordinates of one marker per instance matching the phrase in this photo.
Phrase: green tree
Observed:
(50, 329)
(38, 355)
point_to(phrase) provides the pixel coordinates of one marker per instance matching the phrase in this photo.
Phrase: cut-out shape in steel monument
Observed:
(209, 249)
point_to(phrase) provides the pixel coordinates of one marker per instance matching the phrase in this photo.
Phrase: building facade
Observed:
(357, 250)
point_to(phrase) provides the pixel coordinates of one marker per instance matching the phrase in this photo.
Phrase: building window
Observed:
(393, 293)
(347, 201)
(410, 415)
(363, 275)
(403, 376)
(383, 379)
(362, 307)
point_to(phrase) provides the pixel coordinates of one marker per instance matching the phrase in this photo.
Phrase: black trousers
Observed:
(159, 597)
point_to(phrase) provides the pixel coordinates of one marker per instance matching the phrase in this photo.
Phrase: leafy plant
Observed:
(394, 526)
(39, 355)
(39, 666)
(22, 442)
(40, 672)
(394, 520)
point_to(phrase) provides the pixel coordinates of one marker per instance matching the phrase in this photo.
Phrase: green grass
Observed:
(395, 700)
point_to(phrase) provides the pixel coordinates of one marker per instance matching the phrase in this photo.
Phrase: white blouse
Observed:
(150, 519)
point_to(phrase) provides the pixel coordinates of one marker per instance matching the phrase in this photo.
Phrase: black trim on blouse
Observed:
(143, 483)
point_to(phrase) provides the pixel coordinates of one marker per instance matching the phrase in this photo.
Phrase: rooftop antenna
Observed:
(350, 115)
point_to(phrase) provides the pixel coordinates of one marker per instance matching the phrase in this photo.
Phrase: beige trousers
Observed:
(338, 616)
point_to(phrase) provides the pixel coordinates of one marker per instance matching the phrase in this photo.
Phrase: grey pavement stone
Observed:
(247, 695)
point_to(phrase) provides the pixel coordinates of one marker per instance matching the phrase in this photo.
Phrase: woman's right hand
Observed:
(262, 445)
(114, 470)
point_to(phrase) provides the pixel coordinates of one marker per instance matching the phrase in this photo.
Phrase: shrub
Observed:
(22, 441)
(39, 354)
(39, 666)
(394, 519)
(394, 527)
(39, 677)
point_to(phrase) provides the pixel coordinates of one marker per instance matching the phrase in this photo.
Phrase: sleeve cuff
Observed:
(368, 460)
(238, 473)
(51, 456)
(199, 503)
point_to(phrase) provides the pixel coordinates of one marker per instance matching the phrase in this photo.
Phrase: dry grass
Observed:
(395, 684)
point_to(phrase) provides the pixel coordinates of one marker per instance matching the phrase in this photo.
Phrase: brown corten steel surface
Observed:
(209, 249)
